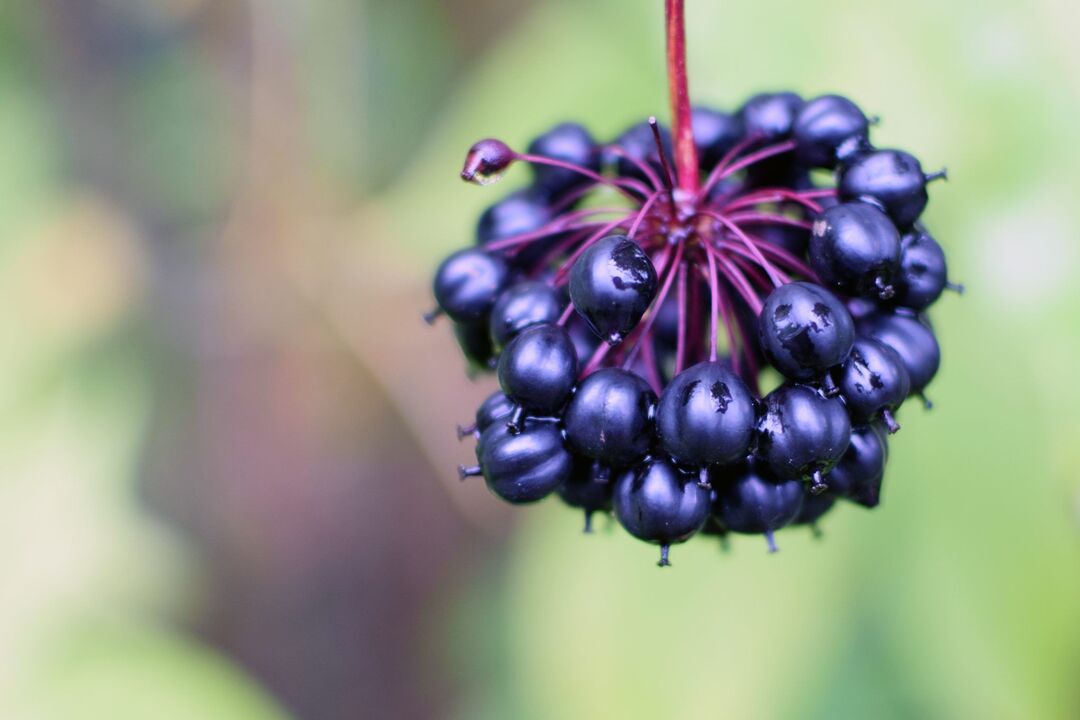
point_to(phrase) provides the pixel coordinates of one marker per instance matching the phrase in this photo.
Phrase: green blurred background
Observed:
(227, 449)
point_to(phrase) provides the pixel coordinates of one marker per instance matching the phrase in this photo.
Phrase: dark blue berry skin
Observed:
(770, 116)
(802, 434)
(657, 503)
(912, 340)
(468, 282)
(637, 141)
(793, 239)
(826, 126)
(715, 133)
(804, 330)
(609, 418)
(496, 407)
(538, 369)
(571, 143)
(589, 487)
(706, 416)
(521, 306)
(923, 272)
(892, 179)
(752, 500)
(814, 508)
(858, 475)
(475, 342)
(612, 284)
(873, 381)
(584, 339)
(855, 248)
(519, 212)
(526, 466)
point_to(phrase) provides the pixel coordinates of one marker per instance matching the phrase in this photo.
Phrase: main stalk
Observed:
(686, 164)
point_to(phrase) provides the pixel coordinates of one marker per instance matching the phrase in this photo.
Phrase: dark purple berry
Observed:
(751, 500)
(826, 126)
(526, 466)
(657, 503)
(858, 475)
(706, 416)
(804, 330)
(570, 143)
(814, 508)
(589, 487)
(521, 306)
(892, 179)
(873, 382)
(496, 407)
(486, 161)
(612, 284)
(715, 133)
(468, 282)
(538, 369)
(519, 212)
(609, 418)
(855, 248)
(913, 341)
(770, 116)
(638, 143)
(789, 237)
(475, 342)
(923, 273)
(802, 434)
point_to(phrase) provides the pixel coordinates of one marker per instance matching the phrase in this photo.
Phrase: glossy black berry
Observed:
(706, 416)
(789, 237)
(804, 330)
(814, 507)
(475, 342)
(521, 306)
(855, 248)
(589, 488)
(568, 142)
(657, 503)
(610, 417)
(892, 179)
(858, 475)
(496, 407)
(873, 382)
(770, 116)
(913, 341)
(752, 500)
(612, 285)
(923, 273)
(828, 127)
(638, 143)
(538, 369)
(802, 434)
(468, 282)
(519, 212)
(526, 466)
(715, 133)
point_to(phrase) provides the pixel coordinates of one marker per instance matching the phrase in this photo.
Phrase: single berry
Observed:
(802, 434)
(467, 283)
(770, 116)
(826, 126)
(751, 500)
(475, 342)
(912, 339)
(519, 212)
(657, 503)
(855, 248)
(521, 306)
(589, 487)
(526, 466)
(789, 237)
(612, 284)
(538, 369)
(486, 161)
(858, 475)
(570, 143)
(715, 134)
(873, 382)
(892, 179)
(638, 147)
(804, 330)
(496, 407)
(706, 416)
(813, 509)
(609, 418)
(923, 272)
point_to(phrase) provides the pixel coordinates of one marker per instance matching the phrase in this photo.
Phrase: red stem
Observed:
(686, 164)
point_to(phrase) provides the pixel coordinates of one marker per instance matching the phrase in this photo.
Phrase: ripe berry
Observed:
(527, 466)
(496, 407)
(827, 125)
(793, 239)
(855, 248)
(612, 284)
(770, 116)
(715, 133)
(467, 283)
(568, 142)
(804, 330)
(589, 487)
(609, 419)
(638, 143)
(858, 475)
(706, 416)
(892, 179)
(751, 500)
(873, 382)
(475, 343)
(519, 212)
(912, 340)
(802, 434)
(813, 508)
(923, 273)
(521, 306)
(657, 503)
(538, 369)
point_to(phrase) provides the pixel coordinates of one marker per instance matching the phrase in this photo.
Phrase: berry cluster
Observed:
(633, 298)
